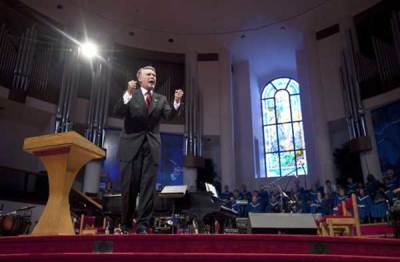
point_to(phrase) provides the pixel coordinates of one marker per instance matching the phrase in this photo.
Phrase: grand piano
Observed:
(206, 213)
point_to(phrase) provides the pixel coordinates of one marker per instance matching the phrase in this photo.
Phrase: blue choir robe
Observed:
(320, 189)
(226, 195)
(312, 195)
(264, 198)
(391, 186)
(337, 201)
(315, 206)
(379, 206)
(255, 207)
(351, 188)
(246, 195)
(302, 201)
(391, 196)
(236, 207)
(273, 207)
(364, 204)
(397, 181)
(326, 207)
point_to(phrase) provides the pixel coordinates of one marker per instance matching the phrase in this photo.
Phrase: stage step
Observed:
(196, 246)
(173, 257)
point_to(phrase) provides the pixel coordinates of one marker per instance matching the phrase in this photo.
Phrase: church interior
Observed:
(287, 146)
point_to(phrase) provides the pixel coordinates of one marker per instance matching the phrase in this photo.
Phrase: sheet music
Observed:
(174, 189)
(210, 188)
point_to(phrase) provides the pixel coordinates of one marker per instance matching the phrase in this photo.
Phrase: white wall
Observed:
(255, 92)
(215, 86)
(209, 74)
(314, 116)
(244, 145)
(320, 82)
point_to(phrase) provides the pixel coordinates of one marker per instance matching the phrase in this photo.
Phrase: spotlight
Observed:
(89, 49)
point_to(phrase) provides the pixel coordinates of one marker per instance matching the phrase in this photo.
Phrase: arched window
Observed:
(283, 133)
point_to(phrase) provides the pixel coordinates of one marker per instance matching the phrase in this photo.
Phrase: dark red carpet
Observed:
(198, 248)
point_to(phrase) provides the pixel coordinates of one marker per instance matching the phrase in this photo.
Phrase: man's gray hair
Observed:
(145, 67)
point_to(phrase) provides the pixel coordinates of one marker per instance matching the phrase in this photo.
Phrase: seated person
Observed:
(233, 205)
(226, 195)
(379, 206)
(254, 206)
(302, 197)
(273, 205)
(351, 187)
(241, 208)
(236, 194)
(364, 204)
(372, 186)
(339, 198)
(326, 205)
(264, 196)
(316, 204)
(245, 194)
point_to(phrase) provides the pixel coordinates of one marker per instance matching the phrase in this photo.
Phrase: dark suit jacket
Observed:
(140, 124)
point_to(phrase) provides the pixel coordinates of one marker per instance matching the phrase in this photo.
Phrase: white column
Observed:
(228, 172)
(190, 178)
(92, 177)
(319, 151)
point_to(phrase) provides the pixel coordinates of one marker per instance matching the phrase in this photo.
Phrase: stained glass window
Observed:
(285, 152)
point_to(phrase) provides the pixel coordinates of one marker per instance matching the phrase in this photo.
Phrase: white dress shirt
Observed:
(127, 97)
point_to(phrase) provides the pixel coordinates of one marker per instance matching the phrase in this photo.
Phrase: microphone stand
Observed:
(281, 192)
(305, 175)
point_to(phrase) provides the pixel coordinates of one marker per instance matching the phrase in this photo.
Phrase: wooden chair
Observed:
(88, 225)
(345, 223)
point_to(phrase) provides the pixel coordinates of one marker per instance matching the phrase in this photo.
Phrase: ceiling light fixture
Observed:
(89, 50)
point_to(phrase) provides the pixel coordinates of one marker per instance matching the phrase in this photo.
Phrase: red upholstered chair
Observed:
(345, 222)
(88, 225)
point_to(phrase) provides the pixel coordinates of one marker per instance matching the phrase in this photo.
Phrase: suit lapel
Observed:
(154, 102)
(139, 99)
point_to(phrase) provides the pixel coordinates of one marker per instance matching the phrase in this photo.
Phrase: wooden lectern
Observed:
(63, 155)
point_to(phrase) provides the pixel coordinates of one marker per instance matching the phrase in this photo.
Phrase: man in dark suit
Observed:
(139, 147)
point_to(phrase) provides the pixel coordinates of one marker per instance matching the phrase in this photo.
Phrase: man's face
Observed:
(148, 79)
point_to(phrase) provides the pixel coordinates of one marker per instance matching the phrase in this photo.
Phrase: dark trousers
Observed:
(138, 177)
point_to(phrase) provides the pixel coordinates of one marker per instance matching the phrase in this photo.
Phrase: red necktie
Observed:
(148, 99)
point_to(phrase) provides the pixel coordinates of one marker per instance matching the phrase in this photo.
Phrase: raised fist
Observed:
(178, 95)
(131, 86)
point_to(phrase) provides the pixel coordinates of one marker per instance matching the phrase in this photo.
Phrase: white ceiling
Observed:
(195, 17)
(264, 32)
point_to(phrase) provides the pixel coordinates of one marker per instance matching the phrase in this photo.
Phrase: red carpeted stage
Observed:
(157, 247)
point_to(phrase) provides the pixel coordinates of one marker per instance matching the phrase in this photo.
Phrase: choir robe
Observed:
(337, 201)
(255, 207)
(264, 199)
(379, 206)
(226, 195)
(364, 204)
(302, 201)
(273, 207)
(351, 188)
(316, 206)
(391, 196)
